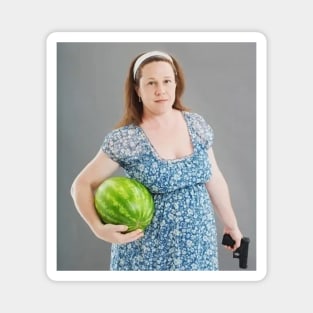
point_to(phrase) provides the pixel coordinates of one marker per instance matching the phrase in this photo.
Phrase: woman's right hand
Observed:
(116, 233)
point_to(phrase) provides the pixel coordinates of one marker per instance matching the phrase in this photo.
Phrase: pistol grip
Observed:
(242, 252)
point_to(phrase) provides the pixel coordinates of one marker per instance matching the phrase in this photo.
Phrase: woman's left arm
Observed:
(220, 196)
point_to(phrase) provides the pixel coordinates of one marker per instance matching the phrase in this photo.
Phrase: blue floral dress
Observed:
(182, 235)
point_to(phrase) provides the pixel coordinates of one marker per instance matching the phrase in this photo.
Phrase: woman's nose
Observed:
(160, 90)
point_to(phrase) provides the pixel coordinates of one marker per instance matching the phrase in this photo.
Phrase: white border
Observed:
(51, 155)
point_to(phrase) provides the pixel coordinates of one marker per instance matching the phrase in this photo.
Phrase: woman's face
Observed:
(157, 87)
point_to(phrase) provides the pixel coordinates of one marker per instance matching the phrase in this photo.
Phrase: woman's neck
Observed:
(163, 120)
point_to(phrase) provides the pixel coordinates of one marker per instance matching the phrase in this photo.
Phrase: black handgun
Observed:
(242, 252)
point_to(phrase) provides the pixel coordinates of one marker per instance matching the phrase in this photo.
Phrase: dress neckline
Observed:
(155, 152)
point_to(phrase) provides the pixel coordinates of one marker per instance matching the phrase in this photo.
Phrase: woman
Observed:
(167, 148)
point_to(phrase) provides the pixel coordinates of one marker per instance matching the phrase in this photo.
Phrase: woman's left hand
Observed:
(236, 235)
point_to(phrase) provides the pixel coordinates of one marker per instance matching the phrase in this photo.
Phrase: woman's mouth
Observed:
(160, 100)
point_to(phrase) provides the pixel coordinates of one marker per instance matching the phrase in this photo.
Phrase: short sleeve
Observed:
(121, 145)
(203, 132)
(110, 146)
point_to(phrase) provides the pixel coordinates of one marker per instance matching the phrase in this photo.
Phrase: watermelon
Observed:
(121, 200)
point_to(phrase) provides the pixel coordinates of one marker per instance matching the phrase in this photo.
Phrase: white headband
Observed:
(148, 55)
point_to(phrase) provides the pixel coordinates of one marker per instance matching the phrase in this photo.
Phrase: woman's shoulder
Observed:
(200, 128)
(122, 143)
(196, 118)
(122, 132)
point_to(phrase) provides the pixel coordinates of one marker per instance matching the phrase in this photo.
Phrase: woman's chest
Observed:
(174, 143)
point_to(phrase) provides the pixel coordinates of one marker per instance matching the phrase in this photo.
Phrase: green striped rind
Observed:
(124, 201)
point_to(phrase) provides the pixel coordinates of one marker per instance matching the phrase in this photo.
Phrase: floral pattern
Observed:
(182, 234)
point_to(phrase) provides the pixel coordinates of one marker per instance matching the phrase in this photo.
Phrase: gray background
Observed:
(220, 85)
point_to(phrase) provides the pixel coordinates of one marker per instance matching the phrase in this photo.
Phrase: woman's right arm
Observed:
(95, 172)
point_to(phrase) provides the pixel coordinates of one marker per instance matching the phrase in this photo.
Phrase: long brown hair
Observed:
(133, 108)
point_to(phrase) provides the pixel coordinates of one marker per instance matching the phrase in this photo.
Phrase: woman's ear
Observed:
(137, 91)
